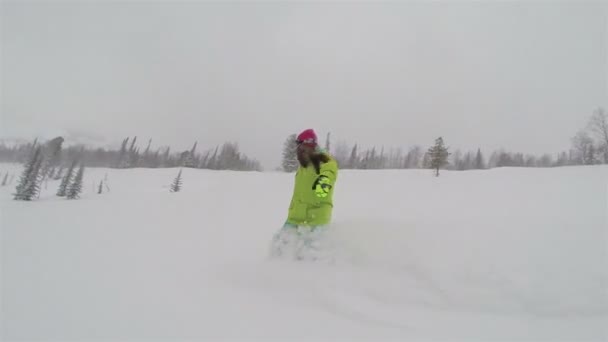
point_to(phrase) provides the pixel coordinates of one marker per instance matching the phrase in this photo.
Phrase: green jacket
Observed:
(312, 201)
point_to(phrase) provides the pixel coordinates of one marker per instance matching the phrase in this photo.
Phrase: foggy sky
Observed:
(520, 75)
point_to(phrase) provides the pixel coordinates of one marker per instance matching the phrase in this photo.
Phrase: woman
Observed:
(312, 201)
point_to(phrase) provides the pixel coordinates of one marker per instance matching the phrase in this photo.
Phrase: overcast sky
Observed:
(519, 75)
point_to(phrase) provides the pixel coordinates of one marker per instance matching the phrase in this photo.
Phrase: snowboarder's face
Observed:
(305, 152)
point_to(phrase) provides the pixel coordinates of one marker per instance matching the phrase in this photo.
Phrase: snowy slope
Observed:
(517, 254)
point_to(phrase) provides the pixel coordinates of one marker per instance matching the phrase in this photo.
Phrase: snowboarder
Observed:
(312, 201)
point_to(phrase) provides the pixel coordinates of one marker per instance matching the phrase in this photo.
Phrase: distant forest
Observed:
(132, 155)
(589, 146)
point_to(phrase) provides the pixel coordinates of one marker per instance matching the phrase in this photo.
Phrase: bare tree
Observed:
(457, 163)
(413, 158)
(290, 162)
(581, 144)
(598, 124)
(341, 153)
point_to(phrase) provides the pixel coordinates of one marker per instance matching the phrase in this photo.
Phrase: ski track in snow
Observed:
(518, 254)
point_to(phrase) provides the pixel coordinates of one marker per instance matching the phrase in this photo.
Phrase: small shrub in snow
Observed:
(177, 183)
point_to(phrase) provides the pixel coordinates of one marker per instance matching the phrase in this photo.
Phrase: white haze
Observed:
(520, 75)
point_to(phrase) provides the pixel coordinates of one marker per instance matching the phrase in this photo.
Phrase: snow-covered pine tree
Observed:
(121, 162)
(290, 162)
(75, 188)
(176, 186)
(67, 178)
(29, 183)
(213, 162)
(32, 190)
(5, 179)
(145, 159)
(58, 173)
(438, 155)
(353, 162)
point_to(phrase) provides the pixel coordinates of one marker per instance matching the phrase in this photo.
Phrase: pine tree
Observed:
(122, 154)
(29, 184)
(190, 159)
(166, 156)
(177, 183)
(32, 189)
(290, 155)
(479, 163)
(213, 161)
(75, 188)
(58, 174)
(5, 179)
(67, 179)
(147, 151)
(438, 155)
(132, 148)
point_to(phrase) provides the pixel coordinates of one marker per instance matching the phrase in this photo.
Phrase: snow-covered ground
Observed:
(515, 254)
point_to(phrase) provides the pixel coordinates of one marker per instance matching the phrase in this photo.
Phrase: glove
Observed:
(322, 186)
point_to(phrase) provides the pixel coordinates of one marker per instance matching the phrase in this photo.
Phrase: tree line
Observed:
(44, 163)
(588, 147)
(131, 155)
(51, 161)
